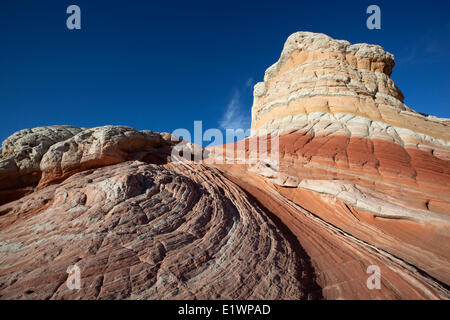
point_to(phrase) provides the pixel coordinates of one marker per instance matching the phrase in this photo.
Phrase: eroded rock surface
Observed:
(138, 226)
(360, 180)
(145, 231)
(318, 75)
(352, 155)
(21, 155)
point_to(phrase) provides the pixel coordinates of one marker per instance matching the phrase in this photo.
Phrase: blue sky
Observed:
(161, 65)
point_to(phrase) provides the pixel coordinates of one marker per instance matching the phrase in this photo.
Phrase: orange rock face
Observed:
(354, 160)
(348, 217)
(143, 231)
(359, 182)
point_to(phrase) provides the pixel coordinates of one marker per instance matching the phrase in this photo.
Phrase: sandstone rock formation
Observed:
(145, 231)
(354, 156)
(318, 77)
(361, 180)
(110, 201)
(21, 155)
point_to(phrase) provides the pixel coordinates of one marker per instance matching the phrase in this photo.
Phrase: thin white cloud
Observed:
(249, 82)
(425, 49)
(236, 116)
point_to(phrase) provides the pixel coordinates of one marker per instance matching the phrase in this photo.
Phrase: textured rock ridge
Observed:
(97, 147)
(41, 156)
(144, 231)
(111, 201)
(21, 155)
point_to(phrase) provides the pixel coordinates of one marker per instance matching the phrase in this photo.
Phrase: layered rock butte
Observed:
(361, 180)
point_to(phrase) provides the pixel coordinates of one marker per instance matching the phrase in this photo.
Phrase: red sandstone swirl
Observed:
(146, 231)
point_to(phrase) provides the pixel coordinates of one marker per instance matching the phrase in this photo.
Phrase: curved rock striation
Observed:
(140, 230)
(340, 256)
(351, 154)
